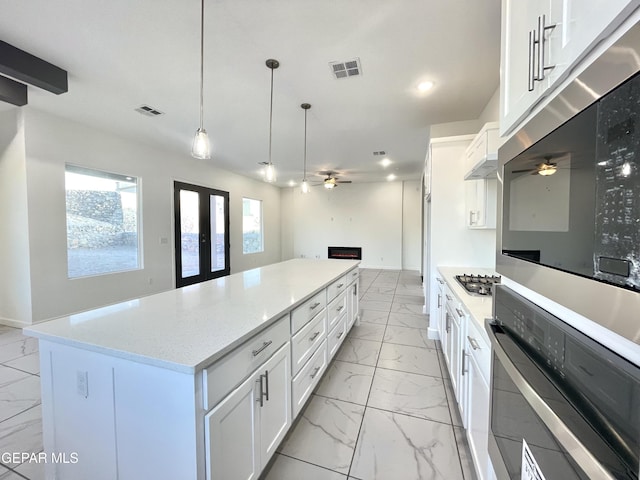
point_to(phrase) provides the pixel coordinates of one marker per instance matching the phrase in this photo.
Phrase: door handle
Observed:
(473, 342)
(542, 30)
(531, 62)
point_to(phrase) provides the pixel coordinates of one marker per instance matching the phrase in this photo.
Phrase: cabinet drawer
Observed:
(304, 383)
(228, 372)
(353, 275)
(309, 309)
(336, 288)
(336, 309)
(336, 336)
(478, 346)
(306, 341)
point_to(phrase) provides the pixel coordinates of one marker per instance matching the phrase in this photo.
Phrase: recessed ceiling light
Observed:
(385, 162)
(292, 183)
(391, 177)
(424, 86)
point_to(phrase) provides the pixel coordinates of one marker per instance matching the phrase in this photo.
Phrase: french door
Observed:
(201, 233)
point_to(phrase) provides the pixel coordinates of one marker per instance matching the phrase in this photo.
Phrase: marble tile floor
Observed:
(20, 415)
(385, 408)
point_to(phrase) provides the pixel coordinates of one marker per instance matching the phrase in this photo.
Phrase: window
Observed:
(252, 239)
(102, 222)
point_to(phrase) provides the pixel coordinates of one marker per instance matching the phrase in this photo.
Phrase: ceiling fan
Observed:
(331, 180)
(545, 168)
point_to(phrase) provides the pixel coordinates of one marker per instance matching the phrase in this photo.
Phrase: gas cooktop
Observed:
(480, 285)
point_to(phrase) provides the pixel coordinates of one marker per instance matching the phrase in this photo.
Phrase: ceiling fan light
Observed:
(329, 185)
(201, 147)
(546, 170)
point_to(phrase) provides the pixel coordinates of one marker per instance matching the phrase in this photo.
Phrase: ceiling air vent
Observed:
(148, 111)
(349, 68)
(381, 152)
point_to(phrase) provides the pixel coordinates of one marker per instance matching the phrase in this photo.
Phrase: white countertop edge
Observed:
(478, 307)
(34, 331)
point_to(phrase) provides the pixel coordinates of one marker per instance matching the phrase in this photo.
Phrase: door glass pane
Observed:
(190, 233)
(217, 214)
(252, 226)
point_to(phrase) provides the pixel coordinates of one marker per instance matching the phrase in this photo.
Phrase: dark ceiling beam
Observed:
(12, 92)
(30, 69)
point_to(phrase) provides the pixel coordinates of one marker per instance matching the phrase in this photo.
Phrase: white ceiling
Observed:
(123, 53)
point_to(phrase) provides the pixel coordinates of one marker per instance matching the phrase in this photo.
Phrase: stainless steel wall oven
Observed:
(562, 405)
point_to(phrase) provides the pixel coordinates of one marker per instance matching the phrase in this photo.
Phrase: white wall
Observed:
(411, 225)
(367, 215)
(50, 143)
(15, 281)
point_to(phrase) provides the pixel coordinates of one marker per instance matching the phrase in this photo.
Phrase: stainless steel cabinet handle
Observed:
(264, 345)
(441, 282)
(340, 285)
(542, 29)
(448, 297)
(464, 362)
(459, 312)
(339, 309)
(531, 76)
(314, 336)
(339, 336)
(315, 372)
(447, 319)
(471, 217)
(474, 343)
(354, 274)
(314, 306)
(266, 382)
(439, 300)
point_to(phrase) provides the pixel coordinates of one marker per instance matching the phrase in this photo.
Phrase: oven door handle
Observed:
(560, 431)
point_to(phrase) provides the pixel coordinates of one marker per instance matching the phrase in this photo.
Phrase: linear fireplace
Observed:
(350, 253)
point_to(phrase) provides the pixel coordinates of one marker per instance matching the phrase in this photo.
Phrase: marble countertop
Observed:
(188, 328)
(478, 307)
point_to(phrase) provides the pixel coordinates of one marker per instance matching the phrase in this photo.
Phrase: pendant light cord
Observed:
(304, 175)
(201, 63)
(270, 115)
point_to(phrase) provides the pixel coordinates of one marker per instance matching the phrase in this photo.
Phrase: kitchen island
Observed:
(145, 388)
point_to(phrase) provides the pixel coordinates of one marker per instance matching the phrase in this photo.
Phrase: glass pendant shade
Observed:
(329, 185)
(305, 186)
(201, 147)
(270, 173)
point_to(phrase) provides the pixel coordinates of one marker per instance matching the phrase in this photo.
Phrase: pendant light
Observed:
(270, 169)
(201, 147)
(305, 184)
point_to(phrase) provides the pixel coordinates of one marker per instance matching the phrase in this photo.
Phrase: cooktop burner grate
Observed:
(480, 285)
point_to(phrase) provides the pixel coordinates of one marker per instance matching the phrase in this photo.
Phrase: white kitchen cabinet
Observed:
(480, 201)
(243, 431)
(353, 299)
(481, 156)
(477, 351)
(535, 59)
(453, 353)
(440, 310)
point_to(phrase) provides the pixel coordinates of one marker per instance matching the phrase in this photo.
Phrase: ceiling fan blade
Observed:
(343, 181)
(527, 170)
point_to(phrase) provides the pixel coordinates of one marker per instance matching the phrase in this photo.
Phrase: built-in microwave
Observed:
(569, 194)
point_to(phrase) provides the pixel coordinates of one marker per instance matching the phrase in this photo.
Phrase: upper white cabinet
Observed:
(542, 42)
(481, 165)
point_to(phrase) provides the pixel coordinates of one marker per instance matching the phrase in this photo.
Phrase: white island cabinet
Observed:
(196, 383)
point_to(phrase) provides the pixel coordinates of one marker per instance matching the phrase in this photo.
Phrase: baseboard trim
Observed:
(433, 334)
(9, 322)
